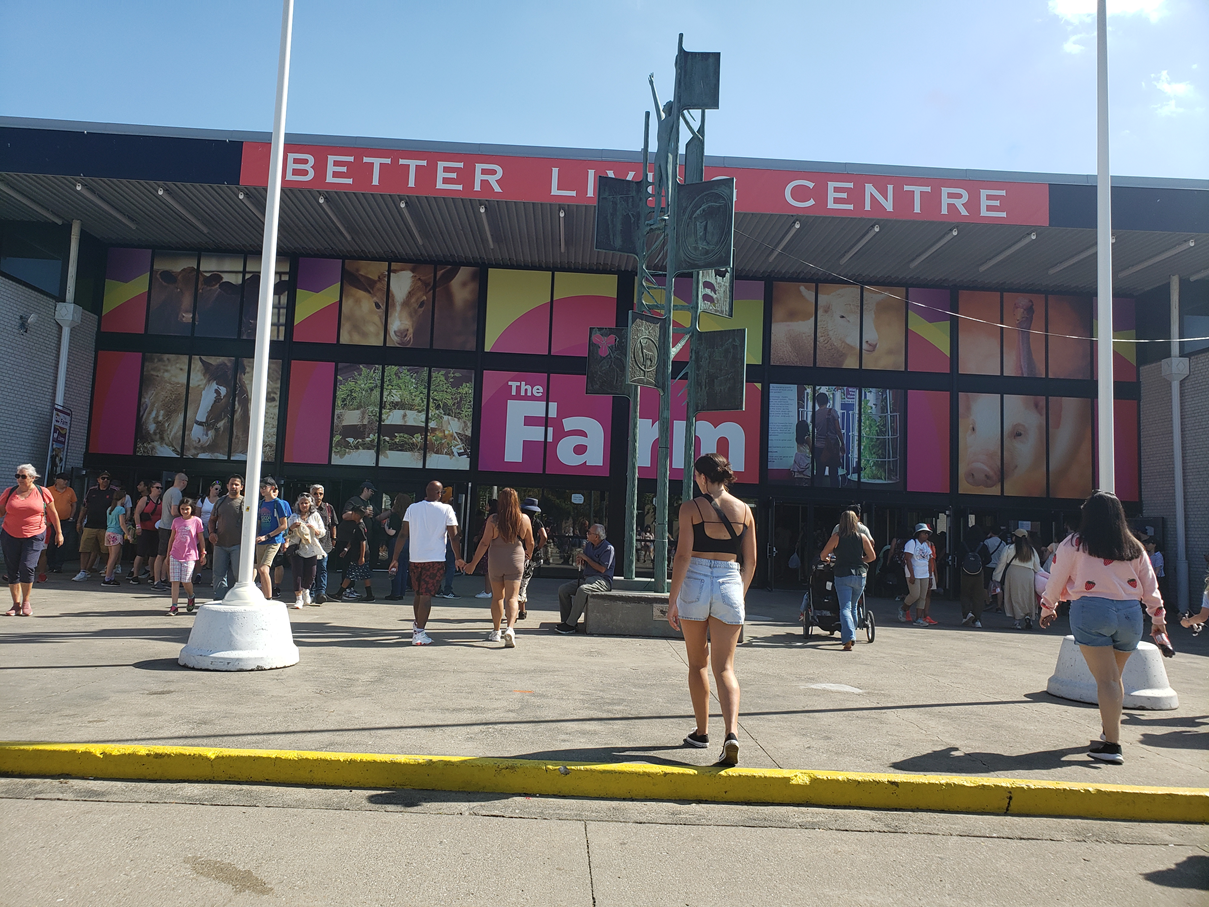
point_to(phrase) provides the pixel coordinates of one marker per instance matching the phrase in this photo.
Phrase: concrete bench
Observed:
(627, 613)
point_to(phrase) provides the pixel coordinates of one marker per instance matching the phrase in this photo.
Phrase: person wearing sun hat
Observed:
(921, 576)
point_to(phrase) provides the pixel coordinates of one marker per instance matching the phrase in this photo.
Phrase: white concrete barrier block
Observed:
(1145, 678)
(244, 632)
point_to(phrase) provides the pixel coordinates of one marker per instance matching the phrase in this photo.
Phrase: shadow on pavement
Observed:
(952, 761)
(1191, 872)
(609, 755)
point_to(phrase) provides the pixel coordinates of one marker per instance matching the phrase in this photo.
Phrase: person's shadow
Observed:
(952, 761)
(1191, 872)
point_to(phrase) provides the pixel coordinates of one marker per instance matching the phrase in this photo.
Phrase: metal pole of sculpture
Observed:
(631, 482)
(694, 172)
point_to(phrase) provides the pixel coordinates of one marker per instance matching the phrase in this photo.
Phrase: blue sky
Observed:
(945, 83)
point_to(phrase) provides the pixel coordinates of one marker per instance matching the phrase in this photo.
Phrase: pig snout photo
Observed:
(981, 439)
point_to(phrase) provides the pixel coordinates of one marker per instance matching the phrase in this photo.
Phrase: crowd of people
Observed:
(1106, 575)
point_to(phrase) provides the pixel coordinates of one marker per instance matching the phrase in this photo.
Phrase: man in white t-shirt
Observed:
(426, 525)
(921, 574)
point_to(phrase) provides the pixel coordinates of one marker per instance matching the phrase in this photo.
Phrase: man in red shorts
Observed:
(426, 524)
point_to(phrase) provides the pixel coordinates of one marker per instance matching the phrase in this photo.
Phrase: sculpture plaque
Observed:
(720, 371)
(608, 361)
(705, 224)
(643, 350)
(620, 206)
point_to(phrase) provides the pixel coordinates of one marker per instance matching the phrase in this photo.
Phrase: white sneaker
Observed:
(493, 636)
(509, 638)
(298, 601)
(483, 595)
(420, 638)
(80, 577)
(977, 625)
(968, 619)
(306, 596)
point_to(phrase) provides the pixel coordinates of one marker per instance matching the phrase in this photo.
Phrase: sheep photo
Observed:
(831, 326)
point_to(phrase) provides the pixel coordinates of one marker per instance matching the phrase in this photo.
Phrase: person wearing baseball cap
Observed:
(530, 508)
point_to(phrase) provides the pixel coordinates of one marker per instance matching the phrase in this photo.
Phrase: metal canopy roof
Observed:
(529, 234)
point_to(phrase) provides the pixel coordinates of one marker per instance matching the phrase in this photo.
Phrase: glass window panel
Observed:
(884, 328)
(173, 289)
(980, 443)
(978, 333)
(355, 421)
(793, 307)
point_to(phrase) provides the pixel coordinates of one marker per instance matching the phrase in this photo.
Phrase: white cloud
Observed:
(1075, 11)
(1175, 92)
(1072, 45)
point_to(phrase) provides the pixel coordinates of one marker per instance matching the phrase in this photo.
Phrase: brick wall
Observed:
(27, 390)
(1158, 483)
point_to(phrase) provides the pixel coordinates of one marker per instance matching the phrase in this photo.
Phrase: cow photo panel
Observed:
(793, 310)
(980, 444)
(355, 421)
(884, 328)
(1024, 454)
(219, 291)
(162, 405)
(251, 298)
(409, 298)
(363, 302)
(456, 310)
(404, 416)
(213, 388)
(450, 414)
(172, 294)
(272, 409)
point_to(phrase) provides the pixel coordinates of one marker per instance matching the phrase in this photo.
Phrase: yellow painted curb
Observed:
(624, 781)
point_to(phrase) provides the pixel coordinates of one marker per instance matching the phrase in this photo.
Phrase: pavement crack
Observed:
(588, 849)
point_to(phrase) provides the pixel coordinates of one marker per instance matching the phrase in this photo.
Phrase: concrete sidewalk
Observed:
(99, 665)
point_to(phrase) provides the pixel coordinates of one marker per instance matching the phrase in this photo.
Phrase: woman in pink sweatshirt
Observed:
(1103, 571)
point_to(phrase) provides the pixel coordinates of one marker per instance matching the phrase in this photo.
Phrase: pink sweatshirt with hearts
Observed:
(1076, 574)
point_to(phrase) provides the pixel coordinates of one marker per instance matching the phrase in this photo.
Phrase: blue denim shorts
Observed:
(1096, 621)
(712, 589)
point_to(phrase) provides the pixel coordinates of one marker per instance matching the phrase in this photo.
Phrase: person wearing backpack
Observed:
(973, 592)
(990, 549)
(26, 508)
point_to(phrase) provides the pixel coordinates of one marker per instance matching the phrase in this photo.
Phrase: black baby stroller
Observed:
(821, 605)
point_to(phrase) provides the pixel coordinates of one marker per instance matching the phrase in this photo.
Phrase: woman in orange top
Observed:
(26, 509)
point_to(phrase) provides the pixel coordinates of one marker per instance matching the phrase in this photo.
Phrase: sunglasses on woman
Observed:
(21, 475)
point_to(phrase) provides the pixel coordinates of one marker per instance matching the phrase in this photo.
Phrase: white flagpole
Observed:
(1105, 459)
(244, 631)
(264, 324)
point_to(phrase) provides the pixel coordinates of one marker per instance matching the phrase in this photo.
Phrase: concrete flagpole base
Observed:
(1145, 678)
(243, 632)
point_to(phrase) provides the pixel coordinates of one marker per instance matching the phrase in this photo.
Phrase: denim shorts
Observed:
(712, 589)
(1096, 621)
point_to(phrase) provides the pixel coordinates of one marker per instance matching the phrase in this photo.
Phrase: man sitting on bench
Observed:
(595, 564)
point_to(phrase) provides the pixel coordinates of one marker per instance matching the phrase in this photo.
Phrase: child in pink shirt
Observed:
(186, 547)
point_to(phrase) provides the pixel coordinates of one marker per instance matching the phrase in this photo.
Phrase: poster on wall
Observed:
(272, 409)
(355, 420)
(979, 443)
(173, 288)
(60, 432)
(793, 310)
(404, 415)
(544, 423)
(581, 301)
(317, 302)
(216, 385)
(115, 402)
(836, 437)
(929, 332)
(127, 275)
(735, 435)
(1024, 335)
(162, 405)
(1070, 447)
(450, 415)
(883, 328)
(409, 303)
(979, 334)
(928, 449)
(251, 298)
(362, 302)
(219, 290)
(308, 433)
(518, 311)
(1070, 330)
(456, 312)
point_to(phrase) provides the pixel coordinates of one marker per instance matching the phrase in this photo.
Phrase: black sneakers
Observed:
(1107, 752)
(564, 629)
(701, 741)
(730, 751)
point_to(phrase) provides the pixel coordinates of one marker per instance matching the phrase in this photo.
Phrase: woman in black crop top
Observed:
(710, 579)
